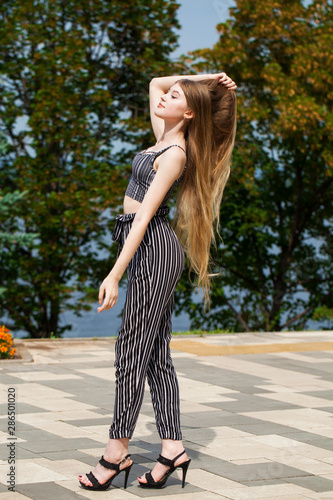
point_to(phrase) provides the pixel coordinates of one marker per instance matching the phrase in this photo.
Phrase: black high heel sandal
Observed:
(151, 483)
(96, 485)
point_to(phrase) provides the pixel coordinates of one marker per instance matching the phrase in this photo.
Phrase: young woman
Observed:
(194, 122)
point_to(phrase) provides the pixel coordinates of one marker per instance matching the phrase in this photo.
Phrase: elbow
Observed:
(142, 219)
(153, 82)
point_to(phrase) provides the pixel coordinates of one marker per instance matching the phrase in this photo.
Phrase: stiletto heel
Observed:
(127, 471)
(151, 483)
(184, 466)
(96, 485)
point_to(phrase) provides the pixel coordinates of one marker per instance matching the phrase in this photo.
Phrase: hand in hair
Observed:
(226, 81)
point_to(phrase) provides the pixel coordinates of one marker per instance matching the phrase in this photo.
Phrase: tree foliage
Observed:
(10, 236)
(69, 72)
(277, 212)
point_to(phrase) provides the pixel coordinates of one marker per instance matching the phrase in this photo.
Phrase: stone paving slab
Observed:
(256, 416)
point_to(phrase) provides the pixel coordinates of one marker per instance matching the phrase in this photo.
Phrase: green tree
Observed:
(10, 236)
(277, 213)
(70, 75)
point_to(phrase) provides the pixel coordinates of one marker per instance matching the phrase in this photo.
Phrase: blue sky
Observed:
(198, 19)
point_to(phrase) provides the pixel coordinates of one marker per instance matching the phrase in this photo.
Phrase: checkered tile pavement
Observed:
(256, 426)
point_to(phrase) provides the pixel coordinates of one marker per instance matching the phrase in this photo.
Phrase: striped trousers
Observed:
(142, 348)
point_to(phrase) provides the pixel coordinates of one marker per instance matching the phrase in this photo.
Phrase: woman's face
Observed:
(173, 105)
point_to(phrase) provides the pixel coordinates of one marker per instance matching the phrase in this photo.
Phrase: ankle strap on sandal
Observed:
(109, 465)
(167, 462)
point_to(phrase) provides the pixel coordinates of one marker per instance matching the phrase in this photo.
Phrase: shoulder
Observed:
(172, 161)
(173, 154)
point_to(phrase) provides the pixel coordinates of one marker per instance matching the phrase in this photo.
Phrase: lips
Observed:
(160, 105)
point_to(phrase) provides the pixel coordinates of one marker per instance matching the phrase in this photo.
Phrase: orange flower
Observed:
(6, 342)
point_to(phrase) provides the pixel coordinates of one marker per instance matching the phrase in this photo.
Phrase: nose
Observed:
(163, 98)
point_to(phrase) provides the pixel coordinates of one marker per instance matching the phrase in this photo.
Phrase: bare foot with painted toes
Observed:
(114, 461)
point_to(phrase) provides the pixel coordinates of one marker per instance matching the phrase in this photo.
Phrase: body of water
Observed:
(107, 323)
(104, 324)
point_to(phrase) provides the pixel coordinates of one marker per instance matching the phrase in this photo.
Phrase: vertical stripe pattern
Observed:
(143, 174)
(142, 347)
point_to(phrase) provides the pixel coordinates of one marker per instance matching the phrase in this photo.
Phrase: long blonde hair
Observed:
(210, 138)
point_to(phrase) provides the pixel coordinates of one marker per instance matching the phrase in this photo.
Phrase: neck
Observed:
(172, 133)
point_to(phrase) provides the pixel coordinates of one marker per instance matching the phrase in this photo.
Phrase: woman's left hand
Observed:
(109, 292)
(226, 81)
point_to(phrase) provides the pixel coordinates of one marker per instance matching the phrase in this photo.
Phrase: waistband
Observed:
(116, 235)
(161, 212)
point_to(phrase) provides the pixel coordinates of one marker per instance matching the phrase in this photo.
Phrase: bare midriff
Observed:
(130, 206)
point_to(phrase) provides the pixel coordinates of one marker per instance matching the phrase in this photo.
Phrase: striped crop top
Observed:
(143, 174)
